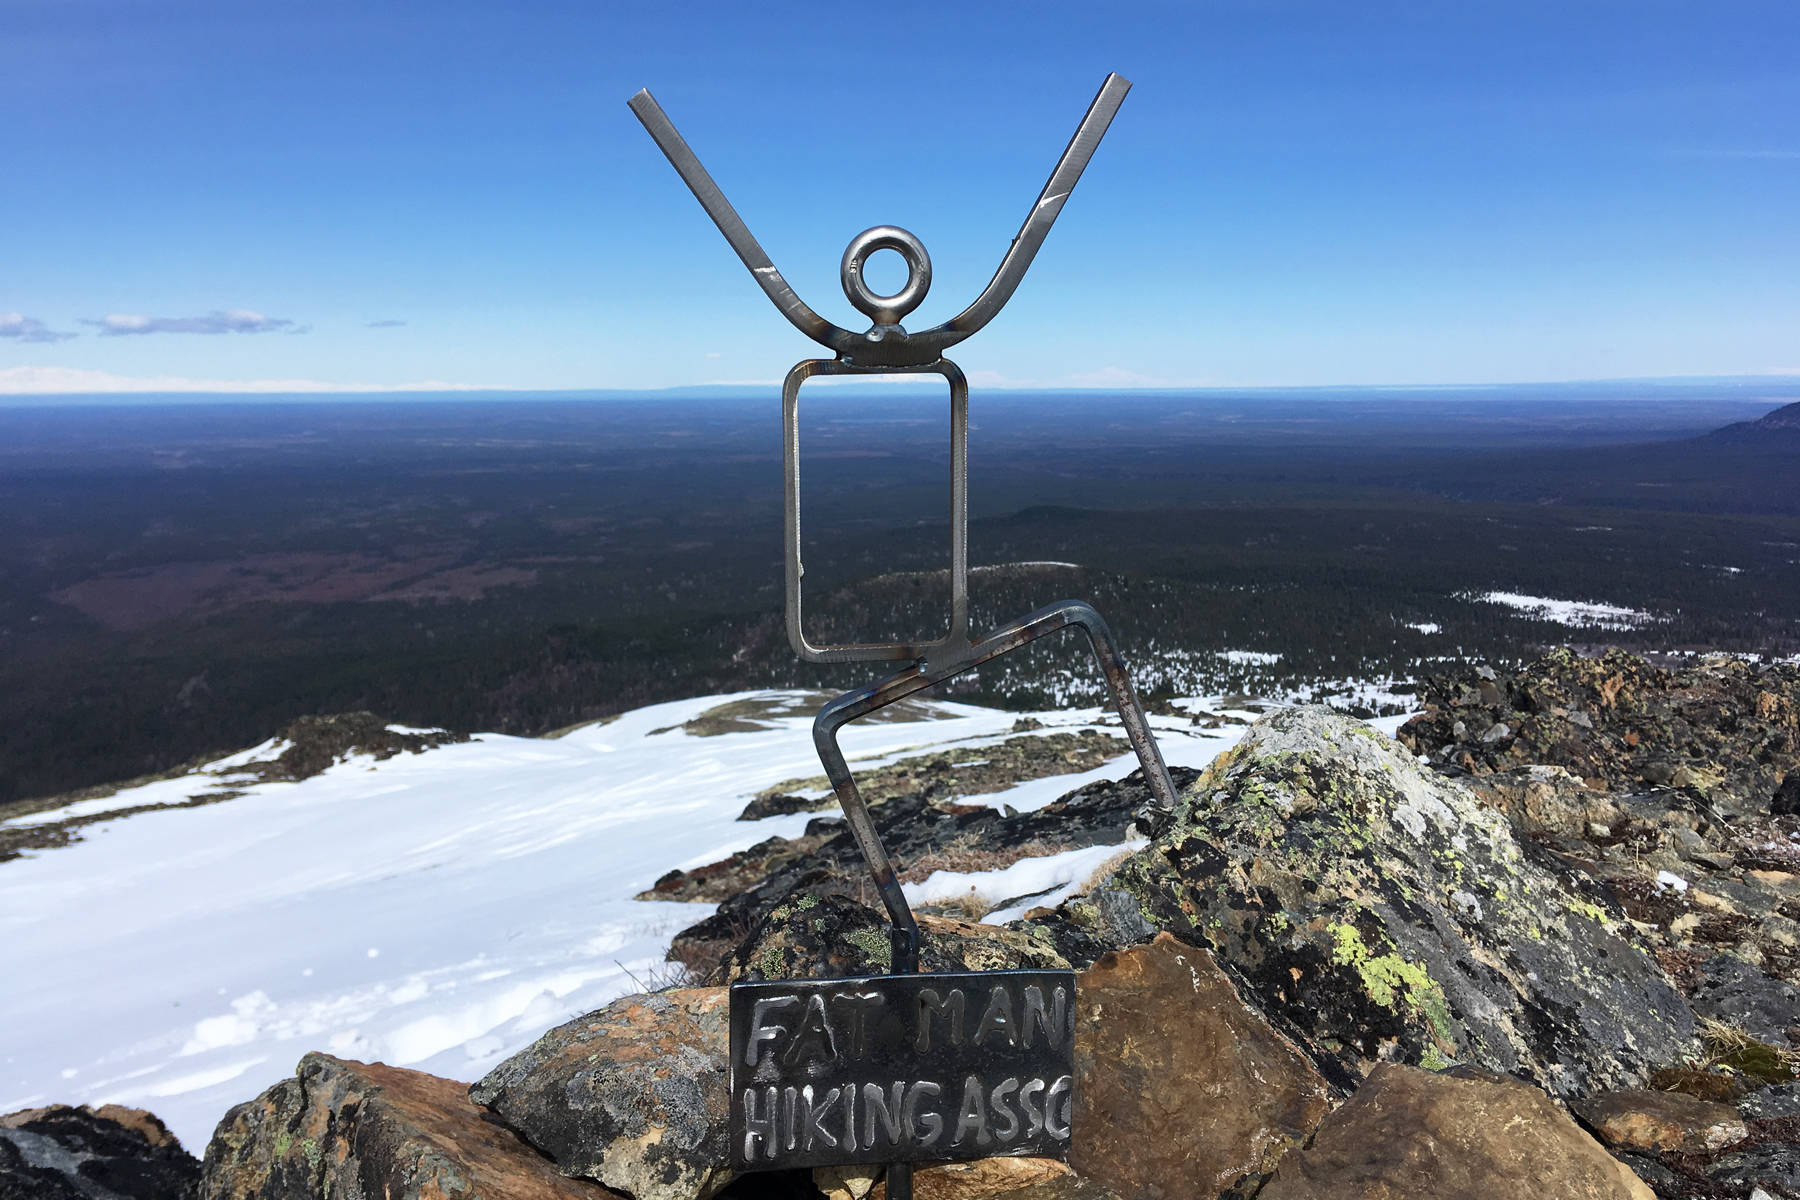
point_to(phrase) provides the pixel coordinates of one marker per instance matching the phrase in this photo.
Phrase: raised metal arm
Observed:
(683, 159)
(1037, 224)
(886, 344)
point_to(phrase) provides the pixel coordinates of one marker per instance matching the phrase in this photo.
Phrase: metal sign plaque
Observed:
(901, 1068)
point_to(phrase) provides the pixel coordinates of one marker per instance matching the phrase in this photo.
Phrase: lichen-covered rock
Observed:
(812, 936)
(1381, 912)
(1182, 1092)
(108, 1153)
(1410, 1134)
(1638, 1119)
(632, 1095)
(349, 1129)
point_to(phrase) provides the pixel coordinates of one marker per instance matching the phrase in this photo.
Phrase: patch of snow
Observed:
(1589, 613)
(1259, 658)
(419, 730)
(1425, 626)
(1666, 880)
(1065, 873)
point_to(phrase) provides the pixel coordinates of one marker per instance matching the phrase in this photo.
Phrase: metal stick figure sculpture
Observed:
(887, 348)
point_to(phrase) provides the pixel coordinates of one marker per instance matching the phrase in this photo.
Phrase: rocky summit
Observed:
(1542, 945)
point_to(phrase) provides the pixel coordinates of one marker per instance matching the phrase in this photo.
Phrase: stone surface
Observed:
(1772, 1164)
(1410, 1134)
(109, 1153)
(819, 936)
(1376, 911)
(1548, 799)
(845, 1183)
(1776, 1100)
(632, 1095)
(1180, 1091)
(1729, 989)
(1637, 1119)
(1000, 1179)
(1616, 721)
(349, 1129)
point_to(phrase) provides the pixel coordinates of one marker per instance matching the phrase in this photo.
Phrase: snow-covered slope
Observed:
(434, 910)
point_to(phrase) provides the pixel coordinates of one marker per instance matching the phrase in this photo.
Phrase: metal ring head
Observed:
(886, 310)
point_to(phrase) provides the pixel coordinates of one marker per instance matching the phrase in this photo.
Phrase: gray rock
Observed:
(1731, 990)
(1772, 1164)
(1380, 912)
(109, 1153)
(1776, 1100)
(632, 1095)
(1499, 731)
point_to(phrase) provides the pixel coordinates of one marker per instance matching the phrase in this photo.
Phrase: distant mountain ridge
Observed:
(1782, 427)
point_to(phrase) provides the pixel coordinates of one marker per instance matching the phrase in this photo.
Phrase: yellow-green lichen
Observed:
(1391, 981)
(875, 944)
(806, 902)
(1591, 911)
(283, 1140)
(769, 962)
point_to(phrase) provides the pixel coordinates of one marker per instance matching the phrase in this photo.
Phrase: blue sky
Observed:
(1294, 193)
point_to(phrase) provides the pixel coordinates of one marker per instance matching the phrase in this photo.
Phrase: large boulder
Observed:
(1381, 912)
(106, 1153)
(1183, 1093)
(632, 1095)
(1412, 1134)
(351, 1129)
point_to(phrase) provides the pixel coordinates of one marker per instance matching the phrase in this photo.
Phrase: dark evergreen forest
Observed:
(182, 578)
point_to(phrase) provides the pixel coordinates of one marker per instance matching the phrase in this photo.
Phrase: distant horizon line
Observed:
(313, 390)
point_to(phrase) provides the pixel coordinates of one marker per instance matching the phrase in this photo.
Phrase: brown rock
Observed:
(1180, 1090)
(1000, 1179)
(1409, 1133)
(1635, 1119)
(343, 1128)
(632, 1095)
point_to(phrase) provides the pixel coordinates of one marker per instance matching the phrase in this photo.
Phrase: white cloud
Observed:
(388, 324)
(29, 329)
(229, 320)
(51, 381)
